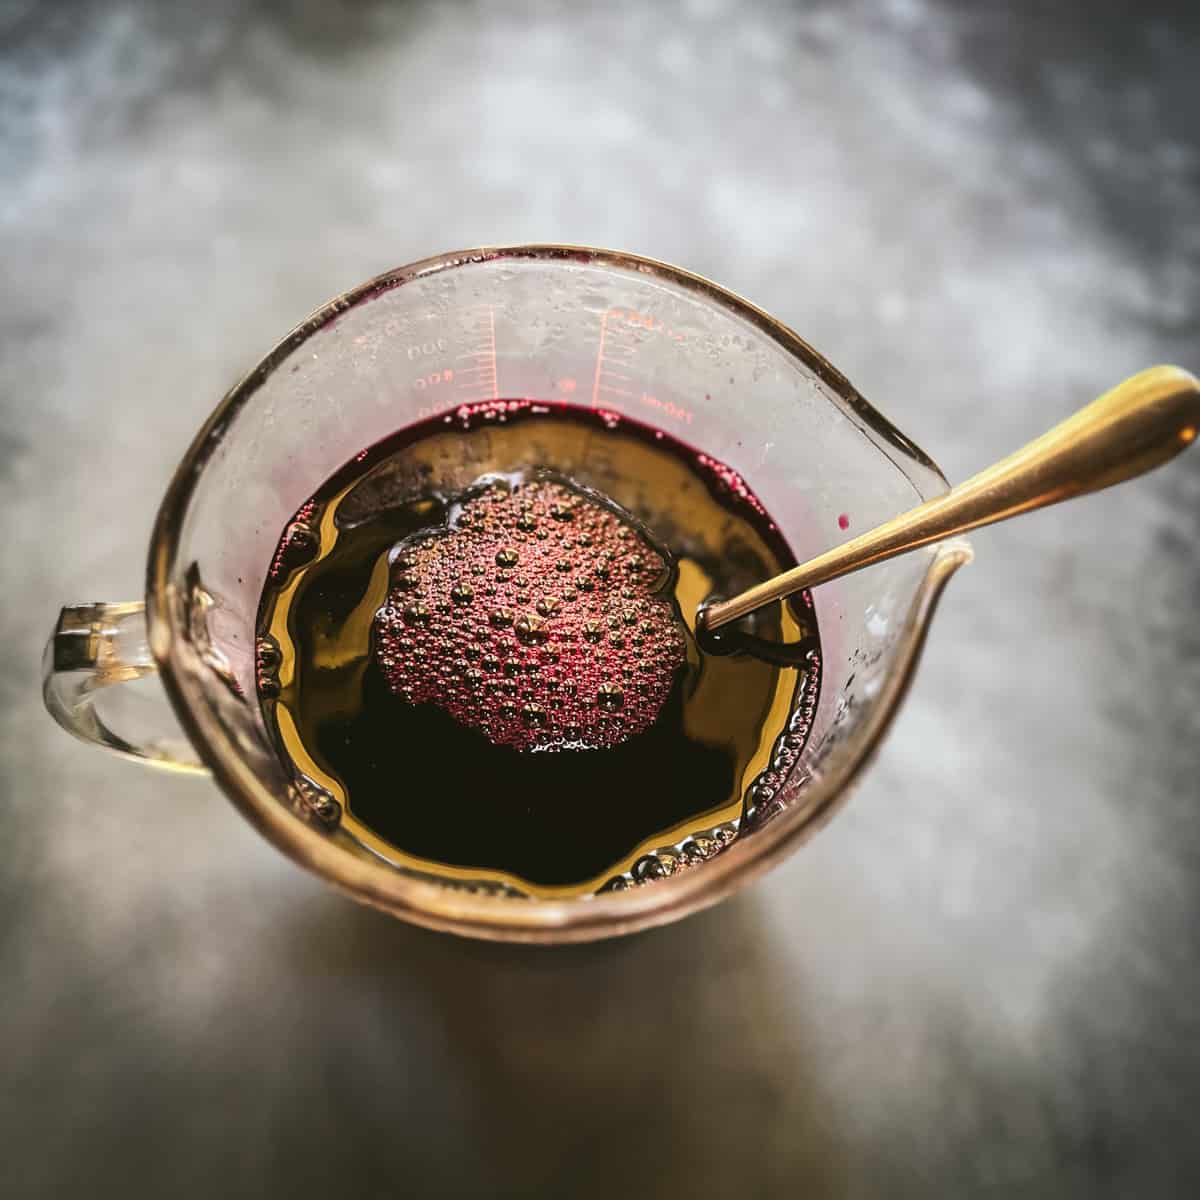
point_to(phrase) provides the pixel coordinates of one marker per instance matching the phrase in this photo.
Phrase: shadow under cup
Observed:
(585, 327)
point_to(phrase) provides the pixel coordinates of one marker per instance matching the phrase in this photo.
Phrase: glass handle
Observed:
(93, 647)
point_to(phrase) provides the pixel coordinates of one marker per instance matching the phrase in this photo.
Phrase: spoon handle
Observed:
(1138, 425)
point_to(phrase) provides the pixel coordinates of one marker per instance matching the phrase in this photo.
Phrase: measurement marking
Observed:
(616, 375)
(477, 381)
(616, 391)
(599, 362)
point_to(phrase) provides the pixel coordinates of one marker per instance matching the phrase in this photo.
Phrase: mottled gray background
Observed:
(980, 980)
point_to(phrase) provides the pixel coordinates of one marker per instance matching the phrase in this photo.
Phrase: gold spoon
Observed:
(1138, 425)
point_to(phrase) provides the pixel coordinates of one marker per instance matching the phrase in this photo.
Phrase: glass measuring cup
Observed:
(583, 326)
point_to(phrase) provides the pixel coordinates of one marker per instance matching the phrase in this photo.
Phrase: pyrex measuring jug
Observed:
(586, 327)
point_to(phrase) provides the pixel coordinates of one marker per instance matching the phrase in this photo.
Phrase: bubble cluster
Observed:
(300, 541)
(267, 659)
(537, 617)
(765, 797)
(674, 860)
(732, 485)
(314, 803)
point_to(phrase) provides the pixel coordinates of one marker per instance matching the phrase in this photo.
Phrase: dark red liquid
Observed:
(493, 672)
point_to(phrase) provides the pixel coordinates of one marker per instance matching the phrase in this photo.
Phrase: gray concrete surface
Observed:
(981, 979)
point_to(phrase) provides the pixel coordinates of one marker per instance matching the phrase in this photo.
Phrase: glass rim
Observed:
(500, 918)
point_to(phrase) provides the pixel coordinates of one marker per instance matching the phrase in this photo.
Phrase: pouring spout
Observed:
(1138, 425)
